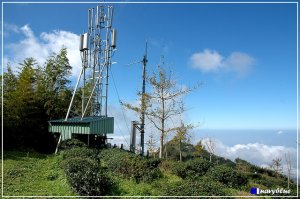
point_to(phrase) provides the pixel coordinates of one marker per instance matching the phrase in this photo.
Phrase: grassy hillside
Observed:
(121, 173)
(33, 174)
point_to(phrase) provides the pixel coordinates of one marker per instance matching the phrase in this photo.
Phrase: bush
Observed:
(167, 165)
(85, 176)
(254, 176)
(271, 182)
(130, 165)
(228, 176)
(71, 143)
(190, 169)
(180, 169)
(198, 166)
(83, 170)
(81, 152)
(202, 187)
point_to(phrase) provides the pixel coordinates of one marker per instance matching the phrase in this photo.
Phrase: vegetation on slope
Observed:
(78, 170)
(36, 94)
(33, 174)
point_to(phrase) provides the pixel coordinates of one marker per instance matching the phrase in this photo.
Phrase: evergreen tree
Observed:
(198, 149)
(9, 112)
(31, 97)
(57, 72)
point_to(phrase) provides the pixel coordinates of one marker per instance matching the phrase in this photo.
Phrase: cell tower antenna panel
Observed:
(96, 47)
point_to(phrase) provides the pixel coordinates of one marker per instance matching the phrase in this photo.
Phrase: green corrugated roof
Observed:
(88, 125)
(78, 119)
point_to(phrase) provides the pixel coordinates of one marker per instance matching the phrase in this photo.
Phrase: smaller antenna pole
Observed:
(107, 53)
(132, 136)
(143, 103)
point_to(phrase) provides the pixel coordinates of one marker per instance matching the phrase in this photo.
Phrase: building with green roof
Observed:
(88, 127)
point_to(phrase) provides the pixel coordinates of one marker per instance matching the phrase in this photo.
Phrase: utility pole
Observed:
(141, 125)
(143, 103)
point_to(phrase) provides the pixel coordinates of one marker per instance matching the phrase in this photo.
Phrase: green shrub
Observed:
(271, 182)
(254, 176)
(85, 176)
(248, 167)
(180, 169)
(190, 169)
(198, 166)
(228, 176)
(130, 165)
(167, 165)
(81, 152)
(201, 187)
(71, 143)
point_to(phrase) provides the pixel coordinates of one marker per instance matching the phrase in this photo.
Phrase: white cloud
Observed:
(10, 28)
(118, 140)
(122, 125)
(280, 132)
(239, 62)
(212, 61)
(256, 153)
(43, 46)
(207, 61)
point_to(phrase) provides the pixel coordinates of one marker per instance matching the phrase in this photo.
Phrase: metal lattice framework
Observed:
(96, 47)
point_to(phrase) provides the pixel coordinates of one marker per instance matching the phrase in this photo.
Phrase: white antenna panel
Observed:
(83, 42)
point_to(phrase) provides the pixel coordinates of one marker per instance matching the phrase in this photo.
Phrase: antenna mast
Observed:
(96, 48)
(143, 103)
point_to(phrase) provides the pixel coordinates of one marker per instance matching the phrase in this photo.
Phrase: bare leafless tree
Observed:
(276, 166)
(163, 102)
(288, 167)
(166, 102)
(210, 145)
(151, 143)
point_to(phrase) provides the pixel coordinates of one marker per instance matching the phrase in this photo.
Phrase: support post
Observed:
(58, 143)
(74, 92)
(132, 136)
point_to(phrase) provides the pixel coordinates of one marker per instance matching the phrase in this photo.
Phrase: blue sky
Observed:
(261, 97)
(244, 54)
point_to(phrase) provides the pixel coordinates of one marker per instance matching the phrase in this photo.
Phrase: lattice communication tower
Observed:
(97, 47)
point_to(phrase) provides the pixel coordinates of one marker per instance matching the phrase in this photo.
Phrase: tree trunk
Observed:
(162, 126)
(161, 145)
(180, 152)
(166, 152)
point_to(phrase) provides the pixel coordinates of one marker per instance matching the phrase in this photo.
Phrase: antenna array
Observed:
(97, 46)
